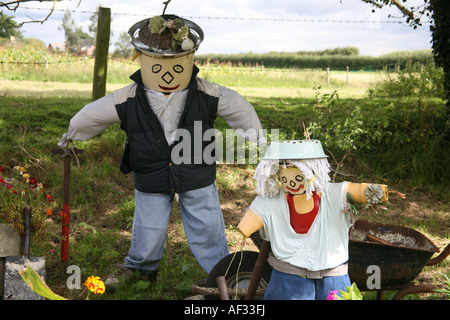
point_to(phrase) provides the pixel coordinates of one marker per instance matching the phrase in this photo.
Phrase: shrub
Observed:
(422, 80)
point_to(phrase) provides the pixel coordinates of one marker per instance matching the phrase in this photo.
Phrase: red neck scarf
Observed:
(301, 223)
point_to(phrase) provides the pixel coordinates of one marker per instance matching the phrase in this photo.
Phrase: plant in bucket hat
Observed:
(173, 30)
(167, 31)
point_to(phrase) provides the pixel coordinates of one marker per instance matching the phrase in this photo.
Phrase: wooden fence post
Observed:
(101, 53)
(346, 77)
(328, 75)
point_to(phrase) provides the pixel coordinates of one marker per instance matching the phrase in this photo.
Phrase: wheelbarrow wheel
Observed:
(237, 269)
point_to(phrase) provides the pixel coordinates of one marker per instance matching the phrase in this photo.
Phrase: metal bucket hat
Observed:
(160, 44)
(294, 150)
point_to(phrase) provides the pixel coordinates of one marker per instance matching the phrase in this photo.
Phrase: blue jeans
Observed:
(283, 286)
(203, 226)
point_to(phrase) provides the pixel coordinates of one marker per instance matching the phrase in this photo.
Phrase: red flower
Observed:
(49, 197)
(1, 169)
(33, 181)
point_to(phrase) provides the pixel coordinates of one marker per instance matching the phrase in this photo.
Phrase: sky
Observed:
(241, 26)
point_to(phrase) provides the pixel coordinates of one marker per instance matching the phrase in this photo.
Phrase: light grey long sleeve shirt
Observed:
(98, 115)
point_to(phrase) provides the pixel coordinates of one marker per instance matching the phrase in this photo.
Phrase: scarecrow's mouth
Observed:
(168, 88)
(295, 190)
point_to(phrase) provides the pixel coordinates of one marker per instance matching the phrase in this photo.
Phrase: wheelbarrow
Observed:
(401, 253)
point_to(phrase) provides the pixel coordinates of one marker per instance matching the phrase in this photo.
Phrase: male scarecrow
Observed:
(168, 106)
(307, 221)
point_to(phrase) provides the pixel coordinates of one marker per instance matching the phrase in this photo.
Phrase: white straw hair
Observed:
(316, 172)
(265, 176)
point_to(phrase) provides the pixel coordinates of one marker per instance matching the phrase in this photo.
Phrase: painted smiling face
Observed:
(166, 74)
(292, 180)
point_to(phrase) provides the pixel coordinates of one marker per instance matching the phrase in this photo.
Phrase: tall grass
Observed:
(30, 63)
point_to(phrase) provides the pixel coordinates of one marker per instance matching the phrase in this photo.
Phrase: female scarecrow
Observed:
(168, 114)
(306, 220)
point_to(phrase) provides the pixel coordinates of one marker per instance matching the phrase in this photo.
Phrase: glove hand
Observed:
(64, 141)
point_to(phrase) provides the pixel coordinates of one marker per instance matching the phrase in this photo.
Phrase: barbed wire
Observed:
(234, 18)
(45, 62)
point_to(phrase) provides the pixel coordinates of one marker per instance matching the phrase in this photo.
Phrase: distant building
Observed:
(58, 47)
(85, 47)
(87, 50)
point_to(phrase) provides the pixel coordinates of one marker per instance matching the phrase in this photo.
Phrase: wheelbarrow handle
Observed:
(441, 257)
(258, 270)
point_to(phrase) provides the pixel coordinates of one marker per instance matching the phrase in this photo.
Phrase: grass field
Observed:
(34, 114)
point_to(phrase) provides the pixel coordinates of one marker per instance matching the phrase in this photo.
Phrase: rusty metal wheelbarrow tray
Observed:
(401, 253)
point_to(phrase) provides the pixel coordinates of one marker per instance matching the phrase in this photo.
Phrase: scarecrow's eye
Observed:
(156, 68)
(299, 178)
(177, 68)
(284, 179)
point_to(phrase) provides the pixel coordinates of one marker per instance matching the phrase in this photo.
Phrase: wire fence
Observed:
(282, 63)
(225, 65)
(304, 20)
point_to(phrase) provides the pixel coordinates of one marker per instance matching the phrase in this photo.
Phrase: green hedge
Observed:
(312, 61)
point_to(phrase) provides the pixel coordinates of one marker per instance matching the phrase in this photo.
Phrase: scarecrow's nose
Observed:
(167, 77)
(292, 183)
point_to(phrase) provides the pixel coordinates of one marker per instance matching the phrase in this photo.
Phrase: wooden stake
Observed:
(101, 53)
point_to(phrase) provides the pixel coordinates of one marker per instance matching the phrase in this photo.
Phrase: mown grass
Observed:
(32, 119)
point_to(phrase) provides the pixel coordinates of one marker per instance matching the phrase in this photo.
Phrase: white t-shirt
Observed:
(324, 246)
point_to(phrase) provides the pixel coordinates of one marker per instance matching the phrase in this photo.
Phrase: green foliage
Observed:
(34, 281)
(19, 189)
(413, 80)
(351, 293)
(76, 38)
(446, 288)
(123, 47)
(440, 30)
(189, 271)
(156, 24)
(316, 60)
(8, 26)
(36, 63)
(353, 133)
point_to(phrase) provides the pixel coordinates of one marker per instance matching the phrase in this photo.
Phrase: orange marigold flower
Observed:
(95, 285)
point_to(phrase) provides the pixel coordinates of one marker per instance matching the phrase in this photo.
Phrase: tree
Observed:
(76, 38)
(13, 5)
(123, 46)
(440, 30)
(438, 13)
(8, 27)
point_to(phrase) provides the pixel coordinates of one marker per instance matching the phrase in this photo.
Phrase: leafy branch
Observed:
(15, 4)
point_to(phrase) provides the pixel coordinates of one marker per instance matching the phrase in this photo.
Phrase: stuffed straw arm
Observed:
(368, 193)
(250, 223)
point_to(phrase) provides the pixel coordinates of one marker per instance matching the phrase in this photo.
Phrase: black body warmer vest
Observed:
(155, 167)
